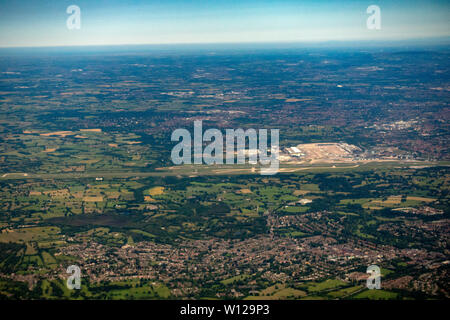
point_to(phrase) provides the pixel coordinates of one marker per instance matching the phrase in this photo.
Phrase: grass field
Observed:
(29, 234)
(234, 279)
(325, 285)
(278, 292)
(376, 295)
(342, 293)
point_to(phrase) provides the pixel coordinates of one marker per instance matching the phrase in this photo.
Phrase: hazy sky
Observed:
(43, 23)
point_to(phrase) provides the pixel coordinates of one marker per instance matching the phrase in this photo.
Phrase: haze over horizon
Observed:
(30, 24)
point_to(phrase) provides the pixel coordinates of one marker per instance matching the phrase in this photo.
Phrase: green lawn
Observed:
(376, 295)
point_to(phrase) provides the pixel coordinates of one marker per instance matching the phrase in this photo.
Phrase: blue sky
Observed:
(111, 22)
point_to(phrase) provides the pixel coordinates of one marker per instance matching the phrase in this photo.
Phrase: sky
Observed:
(35, 23)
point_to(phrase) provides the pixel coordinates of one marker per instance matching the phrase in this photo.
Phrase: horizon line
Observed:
(444, 39)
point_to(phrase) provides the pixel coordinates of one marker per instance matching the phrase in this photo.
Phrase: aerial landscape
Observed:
(87, 178)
